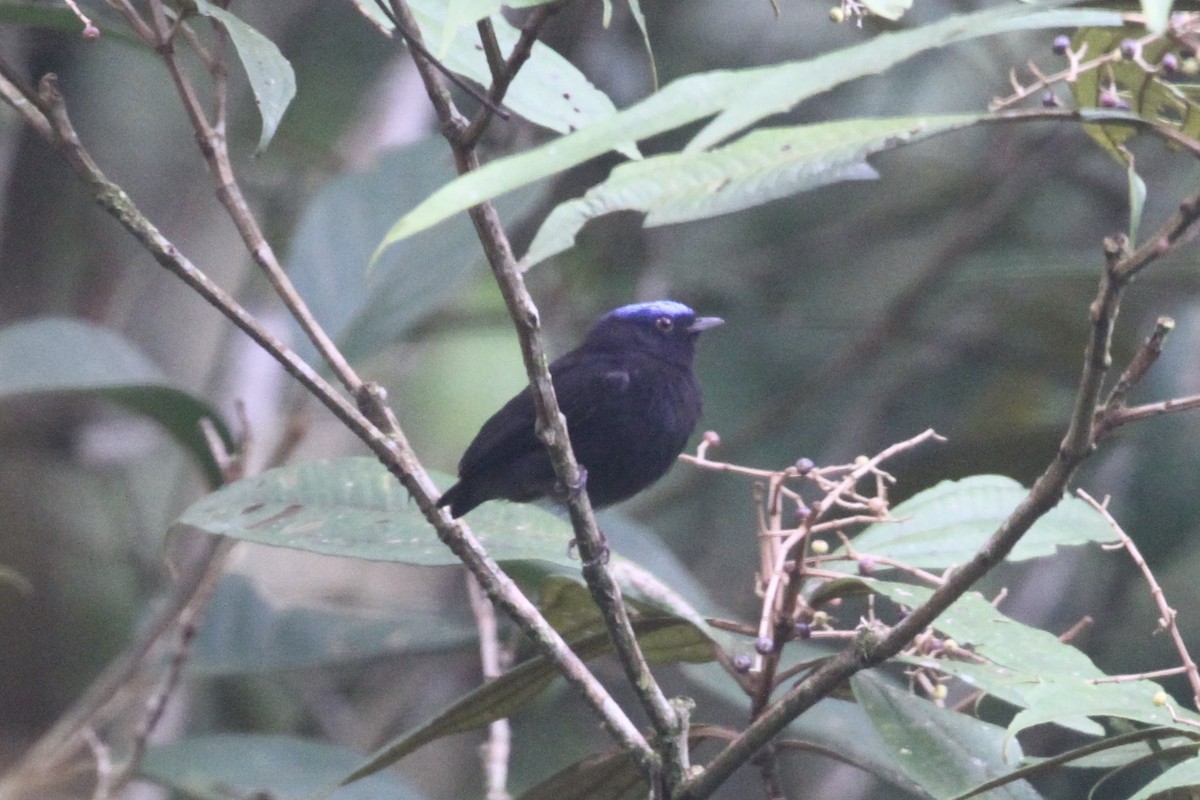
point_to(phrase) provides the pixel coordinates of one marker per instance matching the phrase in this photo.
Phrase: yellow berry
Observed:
(820, 547)
(1190, 66)
(940, 691)
(836, 14)
(1160, 698)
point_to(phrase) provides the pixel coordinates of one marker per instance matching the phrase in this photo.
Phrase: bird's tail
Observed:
(460, 499)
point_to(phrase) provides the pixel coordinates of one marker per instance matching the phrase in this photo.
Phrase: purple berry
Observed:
(1129, 48)
(742, 663)
(1062, 43)
(1108, 99)
(1049, 100)
(804, 630)
(764, 645)
(804, 465)
(1170, 63)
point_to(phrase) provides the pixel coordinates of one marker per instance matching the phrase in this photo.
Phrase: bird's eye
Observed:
(664, 324)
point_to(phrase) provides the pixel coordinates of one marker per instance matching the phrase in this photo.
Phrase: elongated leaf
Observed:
(355, 508)
(1137, 202)
(225, 766)
(243, 633)
(366, 312)
(947, 524)
(1180, 776)
(635, 9)
(271, 77)
(65, 355)
(1052, 681)
(1157, 13)
(612, 776)
(763, 165)
(504, 695)
(744, 97)
(888, 9)
(549, 90)
(838, 725)
(941, 750)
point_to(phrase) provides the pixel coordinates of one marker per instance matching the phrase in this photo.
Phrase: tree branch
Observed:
(214, 147)
(392, 449)
(552, 431)
(1077, 444)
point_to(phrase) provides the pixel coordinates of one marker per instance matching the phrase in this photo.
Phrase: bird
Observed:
(630, 399)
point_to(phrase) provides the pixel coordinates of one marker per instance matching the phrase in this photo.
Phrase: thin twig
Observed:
(393, 451)
(494, 753)
(1077, 444)
(504, 71)
(413, 39)
(552, 431)
(214, 147)
(1167, 614)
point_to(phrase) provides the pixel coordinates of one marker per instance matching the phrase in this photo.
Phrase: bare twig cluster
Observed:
(1167, 619)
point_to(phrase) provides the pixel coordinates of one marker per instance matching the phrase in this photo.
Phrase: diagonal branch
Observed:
(214, 147)
(391, 448)
(504, 71)
(1077, 444)
(552, 431)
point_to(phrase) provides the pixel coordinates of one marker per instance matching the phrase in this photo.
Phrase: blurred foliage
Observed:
(950, 293)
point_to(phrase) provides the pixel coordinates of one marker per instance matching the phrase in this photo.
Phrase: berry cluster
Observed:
(1121, 69)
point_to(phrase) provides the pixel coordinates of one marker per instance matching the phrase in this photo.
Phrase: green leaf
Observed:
(549, 90)
(224, 766)
(941, 750)
(635, 9)
(888, 9)
(832, 724)
(947, 524)
(568, 605)
(742, 97)
(611, 776)
(365, 311)
(761, 166)
(1149, 95)
(271, 77)
(1157, 13)
(506, 694)
(1137, 202)
(355, 508)
(63, 355)
(1051, 681)
(243, 633)
(1184, 776)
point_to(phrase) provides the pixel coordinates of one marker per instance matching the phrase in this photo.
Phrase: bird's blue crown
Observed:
(657, 308)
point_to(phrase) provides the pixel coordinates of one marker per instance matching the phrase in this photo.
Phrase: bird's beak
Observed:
(704, 323)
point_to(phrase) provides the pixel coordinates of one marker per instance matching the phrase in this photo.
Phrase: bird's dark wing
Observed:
(505, 437)
(586, 382)
(581, 382)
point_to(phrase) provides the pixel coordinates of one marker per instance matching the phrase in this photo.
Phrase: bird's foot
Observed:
(572, 490)
(602, 552)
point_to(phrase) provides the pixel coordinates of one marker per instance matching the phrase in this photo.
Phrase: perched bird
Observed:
(630, 400)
